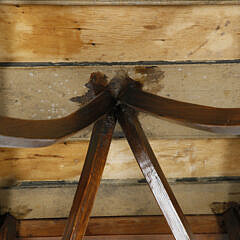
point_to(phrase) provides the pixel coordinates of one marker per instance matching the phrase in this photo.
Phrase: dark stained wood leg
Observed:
(153, 173)
(90, 178)
(8, 228)
(232, 222)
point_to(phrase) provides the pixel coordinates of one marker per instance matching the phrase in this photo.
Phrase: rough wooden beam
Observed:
(100, 34)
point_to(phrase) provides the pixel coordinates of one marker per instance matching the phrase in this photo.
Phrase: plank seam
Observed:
(94, 64)
(65, 183)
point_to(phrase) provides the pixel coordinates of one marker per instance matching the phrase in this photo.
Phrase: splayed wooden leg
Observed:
(232, 222)
(8, 227)
(153, 173)
(90, 178)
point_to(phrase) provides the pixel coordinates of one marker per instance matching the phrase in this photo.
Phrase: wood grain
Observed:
(153, 173)
(207, 224)
(178, 158)
(90, 178)
(41, 33)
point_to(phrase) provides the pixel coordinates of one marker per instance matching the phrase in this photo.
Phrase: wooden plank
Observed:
(139, 237)
(124, 198)
(120, 2)
(207, 224)
(43, 33)
(178, 158)
(45, 93)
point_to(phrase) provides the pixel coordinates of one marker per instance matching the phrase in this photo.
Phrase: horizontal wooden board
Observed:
(178, 159)
(116, 198)
(119, 226)
(45, 93)
(138, 237)
(120, 2)
(33, 33)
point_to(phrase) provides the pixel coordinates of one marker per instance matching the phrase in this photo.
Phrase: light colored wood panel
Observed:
(124, 33)
(45, 93)
(178, 159)
(120, 2)
(121, 198)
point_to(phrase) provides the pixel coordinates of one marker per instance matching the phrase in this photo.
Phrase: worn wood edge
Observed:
(207, 224)
(120, 2)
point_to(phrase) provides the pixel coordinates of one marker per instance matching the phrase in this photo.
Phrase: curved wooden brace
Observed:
(217, 120)
(39, 133)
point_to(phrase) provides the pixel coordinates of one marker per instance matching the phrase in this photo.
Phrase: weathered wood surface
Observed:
(153, 173)
(118, 226)
(123, 198)
(120, 2)
(178, 158)
(45, 93)
(33, 33)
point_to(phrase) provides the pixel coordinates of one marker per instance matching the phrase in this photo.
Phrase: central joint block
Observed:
(120, 82)
(116, 86)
